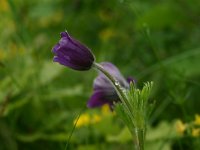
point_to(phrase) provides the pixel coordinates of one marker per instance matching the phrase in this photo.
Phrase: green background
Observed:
(153, 40)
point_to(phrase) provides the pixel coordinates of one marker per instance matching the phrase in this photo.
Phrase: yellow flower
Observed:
(105, 109)
(83, 120)
(196, 132)
(95, 119)
(197, 119)
(4, 5)
(180, 127)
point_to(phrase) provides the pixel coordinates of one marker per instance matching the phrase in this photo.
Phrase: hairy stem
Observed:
(115, 83)
(139, 138)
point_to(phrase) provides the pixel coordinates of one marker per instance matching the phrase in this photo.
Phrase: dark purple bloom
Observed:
(104, 92)
(71, 53)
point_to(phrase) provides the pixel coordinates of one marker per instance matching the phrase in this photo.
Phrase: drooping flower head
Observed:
(73, 54)
(104, 92)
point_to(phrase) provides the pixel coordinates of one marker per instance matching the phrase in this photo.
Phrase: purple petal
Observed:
(64, 34)
(104, 91)
(130, 79)
(113, 70)
(71, 53)
(97, 100)
(102, 82)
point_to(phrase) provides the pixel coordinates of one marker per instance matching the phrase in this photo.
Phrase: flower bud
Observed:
(71, 53)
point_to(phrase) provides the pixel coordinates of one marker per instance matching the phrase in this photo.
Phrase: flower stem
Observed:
(139, 138)
(115, 83)
(112, 79)
(137, 132)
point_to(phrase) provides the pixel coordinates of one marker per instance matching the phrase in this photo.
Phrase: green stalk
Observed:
(115, 83)
(137, 132)
(139, 138)
(112, 79)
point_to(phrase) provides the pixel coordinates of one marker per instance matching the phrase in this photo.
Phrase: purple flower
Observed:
(104, 92)
(71, 53)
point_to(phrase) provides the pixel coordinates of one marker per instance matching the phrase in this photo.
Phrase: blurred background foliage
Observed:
(153, 40)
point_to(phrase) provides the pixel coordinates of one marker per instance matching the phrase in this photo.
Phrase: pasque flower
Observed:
(71, 53)
(109, 87)
(104, 92)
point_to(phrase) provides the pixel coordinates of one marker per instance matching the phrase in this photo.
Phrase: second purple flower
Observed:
(104, 92)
